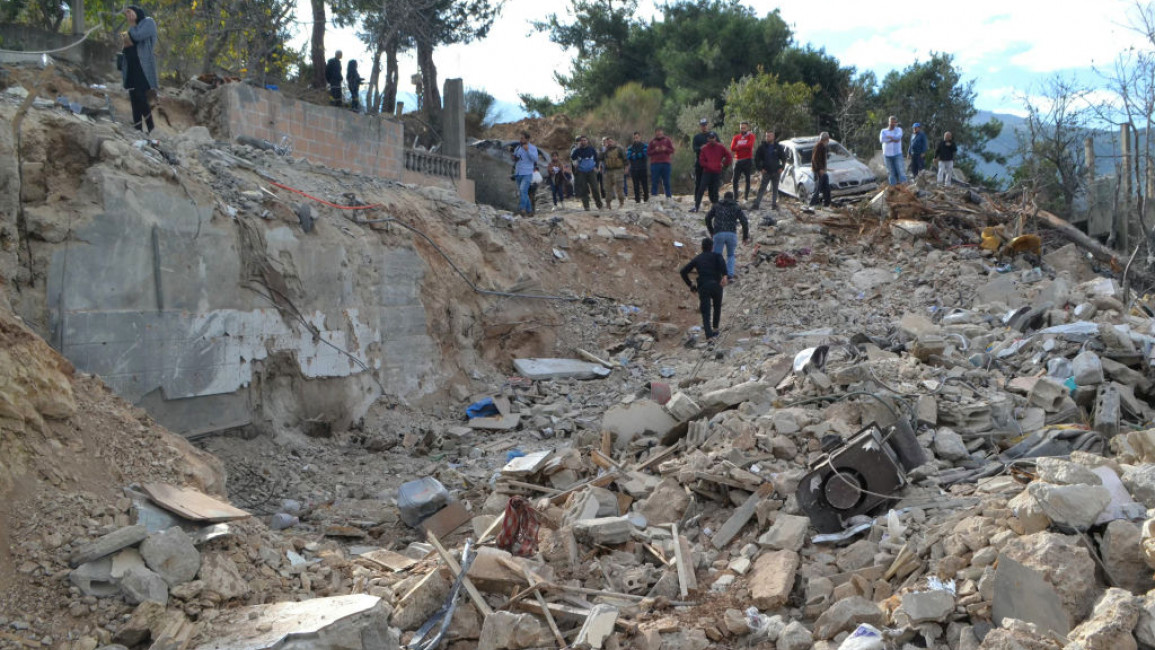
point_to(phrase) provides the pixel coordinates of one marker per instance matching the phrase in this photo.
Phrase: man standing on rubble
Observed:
(661, 152)
(585, 173)
(742, 146)
(333, 78)
(712, 277)
(639, 162)
(697, 143)
(944, 154)
(891, 139)
(769, 160)
(918, 147)
(722, 223)
(818, 166)
(614, 160)
(714, 157)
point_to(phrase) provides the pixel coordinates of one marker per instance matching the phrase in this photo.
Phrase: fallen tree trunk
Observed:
(1081, 239)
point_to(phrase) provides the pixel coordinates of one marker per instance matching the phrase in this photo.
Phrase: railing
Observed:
(432, 164)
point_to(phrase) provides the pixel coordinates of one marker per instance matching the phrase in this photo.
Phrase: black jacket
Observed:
(711, 268)
(725, 217)
(945, 150)
(770, 157)
(352, 75)
(333, 72)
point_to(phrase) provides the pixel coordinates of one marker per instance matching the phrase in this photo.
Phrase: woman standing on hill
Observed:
(139, 69)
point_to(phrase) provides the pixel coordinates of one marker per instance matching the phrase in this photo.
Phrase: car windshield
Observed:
(835, 152)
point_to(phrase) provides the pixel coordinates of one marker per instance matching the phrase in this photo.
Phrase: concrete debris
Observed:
(967, 428)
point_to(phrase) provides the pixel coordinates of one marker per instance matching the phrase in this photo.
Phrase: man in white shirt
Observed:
(891, 139)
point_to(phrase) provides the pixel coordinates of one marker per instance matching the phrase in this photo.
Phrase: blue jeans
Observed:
(660, 172)
(523, 183)
(894, 169)
(727, 240)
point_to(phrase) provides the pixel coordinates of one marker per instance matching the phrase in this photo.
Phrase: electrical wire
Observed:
(59, 49)
(324, 202)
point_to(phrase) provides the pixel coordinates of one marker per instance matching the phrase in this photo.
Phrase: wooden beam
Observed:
(483, 607)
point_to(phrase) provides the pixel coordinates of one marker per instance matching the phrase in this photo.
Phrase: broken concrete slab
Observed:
(141, 585)
(1023, 593)
(683, 407)
(773, 578)
(546, 369)
(926, 606)
(356, 622)
(847, 614)
(603, 530)
(95, 578)
(788, 533)
(496, 422)
(108, 544)
(1064, 563)
(1111, 623)
(751, 391)
(172, 555)
(638, 418)
(666, 504)
(1077, 506)
(509, 631)
(598, 627)
(421, 600)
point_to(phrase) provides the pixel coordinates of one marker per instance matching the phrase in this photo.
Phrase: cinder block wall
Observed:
(326, 135)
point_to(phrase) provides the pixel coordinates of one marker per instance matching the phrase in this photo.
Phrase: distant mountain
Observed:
(1106, 146)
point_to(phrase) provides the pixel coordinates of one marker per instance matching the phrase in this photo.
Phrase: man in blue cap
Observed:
(918, 146)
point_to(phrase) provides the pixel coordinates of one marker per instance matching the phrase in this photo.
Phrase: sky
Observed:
(1008, 47)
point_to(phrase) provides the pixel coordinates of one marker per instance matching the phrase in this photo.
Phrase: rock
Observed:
(787, 533)
(1072, 505)
(682, 407)
(847, 614)
(773, 579)
(927, 606)
(220, 575)
(1140, 482)
(1070, 260)
(917, 325)
(858, 555)
(124, 560)
(751, 391)
(666, 504)
(147, 616)
(508, 631)
(1022, 593)
(868, 279)
(1087, 368)
(795, 636)
(1019, 635)
(141, 585)
(171, 554)
(949, 445)
(603, 530)
(642, 417)
(109, 544)
(95, 578)
(1122, 552)
(1145, 628)
(466, 624)
(1064, 472)
(735, 622)
(426, 597)
(1109, 628)
(1065, 564)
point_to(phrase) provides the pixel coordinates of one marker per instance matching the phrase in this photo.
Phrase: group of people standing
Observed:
(352, 79)
(891, 139)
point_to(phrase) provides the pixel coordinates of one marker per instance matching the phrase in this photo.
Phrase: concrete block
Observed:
(603, 530)
(773, 579)
(787, 533)
(171, 554)
(108, 544)
(682, 407)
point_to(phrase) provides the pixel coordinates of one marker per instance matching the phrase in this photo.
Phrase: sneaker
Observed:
(693, 209)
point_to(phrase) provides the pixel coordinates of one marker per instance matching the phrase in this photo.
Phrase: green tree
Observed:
(829, 79)
(934, 93)
(767, 103)
(1051, 146)
(691, 115)
(447, 22)
(632, 108)
(480, 111)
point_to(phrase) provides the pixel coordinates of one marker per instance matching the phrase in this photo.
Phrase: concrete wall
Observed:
(160, 299)
(327, 135)
(98, 59)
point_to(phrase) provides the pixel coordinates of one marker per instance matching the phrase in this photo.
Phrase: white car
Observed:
(848, 175)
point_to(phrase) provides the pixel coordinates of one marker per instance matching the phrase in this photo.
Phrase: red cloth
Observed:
(519, 528)
(713, 158)
(743, 145)
(661, 150)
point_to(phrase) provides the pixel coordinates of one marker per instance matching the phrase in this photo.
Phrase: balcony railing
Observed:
(432, 164)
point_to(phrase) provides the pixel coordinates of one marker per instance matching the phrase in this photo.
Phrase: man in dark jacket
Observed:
(713, 158)
(918, 147)
(944, 154)
(722, 223)
(818, 166)
(697, 143)
(712, 277)
(639, 166)
(585, 173)
(769, 160)
(333, 78)
(353, 80)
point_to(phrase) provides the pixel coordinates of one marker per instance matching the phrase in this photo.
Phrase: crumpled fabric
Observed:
(519, 528)
(784, 260)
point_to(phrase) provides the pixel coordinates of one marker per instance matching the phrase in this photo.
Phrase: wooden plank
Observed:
(446, 520)
(192, 504)
(483, 607)
(526, 486)
(492, 528)
(607, 448)
(593, 358)
(725, 480)
(654, 460)
(740, 517)
(686, 578)
(391, 560)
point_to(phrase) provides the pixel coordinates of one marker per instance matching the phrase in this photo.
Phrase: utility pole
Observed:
(1123, 216)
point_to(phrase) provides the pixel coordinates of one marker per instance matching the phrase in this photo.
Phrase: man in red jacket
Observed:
(713, 158)
(743, 145)
(661, 151)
